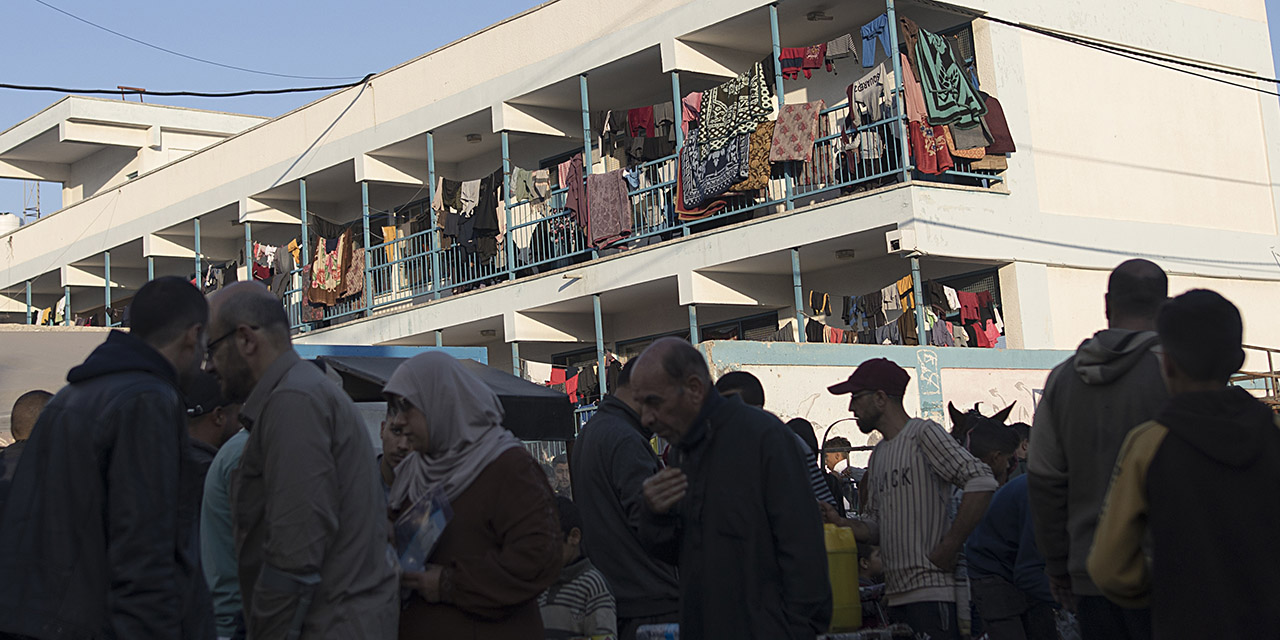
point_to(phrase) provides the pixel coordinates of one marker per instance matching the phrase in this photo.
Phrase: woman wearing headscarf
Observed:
(503, 546)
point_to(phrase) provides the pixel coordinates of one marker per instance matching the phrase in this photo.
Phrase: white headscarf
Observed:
(464, 425)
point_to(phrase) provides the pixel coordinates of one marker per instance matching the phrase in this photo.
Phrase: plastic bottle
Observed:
(842, 567)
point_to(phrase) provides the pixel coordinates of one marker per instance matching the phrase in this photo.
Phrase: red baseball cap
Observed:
(877, 374)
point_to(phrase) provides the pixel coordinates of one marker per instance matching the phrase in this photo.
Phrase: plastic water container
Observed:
(842, 567)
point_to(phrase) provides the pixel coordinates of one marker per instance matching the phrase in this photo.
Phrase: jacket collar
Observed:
(613, 404)
(254, 405)
(701, 427)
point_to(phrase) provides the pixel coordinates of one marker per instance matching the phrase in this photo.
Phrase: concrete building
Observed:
(1115, 158)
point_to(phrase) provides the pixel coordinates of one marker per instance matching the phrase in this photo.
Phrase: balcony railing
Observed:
(542, 236)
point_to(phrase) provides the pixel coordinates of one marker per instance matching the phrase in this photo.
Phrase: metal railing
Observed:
(542, 235)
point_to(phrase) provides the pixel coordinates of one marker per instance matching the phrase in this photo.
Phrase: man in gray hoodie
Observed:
(1091, 402)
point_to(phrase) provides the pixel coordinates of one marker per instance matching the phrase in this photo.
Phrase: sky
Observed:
(328, 38)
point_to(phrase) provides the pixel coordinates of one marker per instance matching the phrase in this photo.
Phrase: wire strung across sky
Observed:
(188, 57)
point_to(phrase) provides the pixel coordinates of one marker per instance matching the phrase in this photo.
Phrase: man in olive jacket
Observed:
(749, 542)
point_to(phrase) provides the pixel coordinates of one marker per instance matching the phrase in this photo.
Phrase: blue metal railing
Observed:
(543, 235)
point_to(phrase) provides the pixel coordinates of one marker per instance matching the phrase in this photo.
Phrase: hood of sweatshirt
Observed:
(1111, 353)
(1228, 425)
(122, 352)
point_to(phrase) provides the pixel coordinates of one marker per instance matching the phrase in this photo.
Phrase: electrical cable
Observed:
(193, 94)
(188, 57)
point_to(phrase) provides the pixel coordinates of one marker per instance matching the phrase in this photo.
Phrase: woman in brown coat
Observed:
(502, 547)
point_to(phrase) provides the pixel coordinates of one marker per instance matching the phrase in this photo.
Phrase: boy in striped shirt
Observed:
(910, 476)
(579, 604)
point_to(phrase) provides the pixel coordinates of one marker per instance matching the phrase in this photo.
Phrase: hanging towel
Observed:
(967, 154)
(795, 132)
(609, 207)
(758, 168)
(998, 127)
(690, 110)
(640, 122)
(576, 198)
(877, 29)
(704, 178)
(732, 109)
(949, 96)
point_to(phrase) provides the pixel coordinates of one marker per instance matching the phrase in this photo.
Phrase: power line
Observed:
(188, 57)
(194, 94)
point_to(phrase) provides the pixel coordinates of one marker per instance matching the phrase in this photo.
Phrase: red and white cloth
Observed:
(795, 132)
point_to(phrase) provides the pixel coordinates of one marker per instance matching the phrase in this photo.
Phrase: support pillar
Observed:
(508, 247)
(66, 306)
(677, 101)
(918, 292)
(439, 338)
(435, 232)
(693, 324)
(368, 258)
(29, 303)
(781, 95)
(248, 249)
(586, 125)
(595, 307)
(515, 359)
(199, 279)
(799, 294)
(151, 268)
(898, 99)
(306, 237)
(106, 287)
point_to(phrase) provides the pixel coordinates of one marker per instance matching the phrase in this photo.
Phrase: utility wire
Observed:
(188, 57)
(195, 94)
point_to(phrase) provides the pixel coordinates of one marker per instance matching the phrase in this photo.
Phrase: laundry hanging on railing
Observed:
(732, 109)
(870, 101)
(876, 30)
(797, 128)
(759, 148)
(609, 208)
(949, 95)
(706, 176)
(839, 49)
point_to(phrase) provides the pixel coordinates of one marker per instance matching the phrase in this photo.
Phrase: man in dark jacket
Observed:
(100, 525)
(1213, 572)
(747, 532)
(611, 459)
(1091, 402)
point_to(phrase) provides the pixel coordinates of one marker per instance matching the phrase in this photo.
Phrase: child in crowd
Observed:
(579, 604)
(871, 586)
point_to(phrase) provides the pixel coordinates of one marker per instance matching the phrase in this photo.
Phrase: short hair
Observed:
(26, 410)
(1202, 332)
(624, 377)
(744, 384)
(570, 517)
(164, 308)
(256, 309)
(986, 436)
(682, 360)
(560, 459)
(804, 429)
(865, 550)
(1023, 430)
(837, 442)
(1136, 289)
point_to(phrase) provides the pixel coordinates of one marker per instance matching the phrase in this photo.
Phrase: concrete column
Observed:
(1025, 308)
(799, 294)
(595, 307)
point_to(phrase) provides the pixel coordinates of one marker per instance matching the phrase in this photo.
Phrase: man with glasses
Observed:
(311, 527)
(911, 475)
(98, 537)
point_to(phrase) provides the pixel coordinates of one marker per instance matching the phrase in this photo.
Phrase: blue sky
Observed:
(317, 38)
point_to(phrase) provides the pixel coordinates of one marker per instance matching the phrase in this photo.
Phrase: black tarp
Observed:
(533, 412)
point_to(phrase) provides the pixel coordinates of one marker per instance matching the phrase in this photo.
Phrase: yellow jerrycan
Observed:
(842, 567)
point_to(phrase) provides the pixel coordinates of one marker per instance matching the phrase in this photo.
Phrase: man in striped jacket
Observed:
(910, 477)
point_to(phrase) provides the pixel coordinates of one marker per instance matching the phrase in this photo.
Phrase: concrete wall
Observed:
(39, 358)
(796, 378)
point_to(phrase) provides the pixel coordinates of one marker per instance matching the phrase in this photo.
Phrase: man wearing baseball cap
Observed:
(910, 479)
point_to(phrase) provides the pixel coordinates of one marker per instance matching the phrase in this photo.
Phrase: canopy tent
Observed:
(533, 412)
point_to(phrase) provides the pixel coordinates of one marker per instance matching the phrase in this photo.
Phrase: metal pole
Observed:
(248, 250)
(799, 294)
(368, 255)
(439, 338)
(903, 140)
(29, 302)
(66, 305)
(693, 324)
(151, 268)
(782, 95)
(435, 232)
(515, 359)
(198, 269)
(106, 287)
(586, 124)
(921, 332)
(678, 104)
(506, 206)
(306, 239)
(595, 307)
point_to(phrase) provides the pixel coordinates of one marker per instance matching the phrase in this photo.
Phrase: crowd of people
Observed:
(197, 479)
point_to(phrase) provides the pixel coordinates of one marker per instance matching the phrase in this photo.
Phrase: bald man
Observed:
(314, 560)
(21, 421)
(736, 503)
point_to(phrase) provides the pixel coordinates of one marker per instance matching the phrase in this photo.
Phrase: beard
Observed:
(867, 424)
(236, 378)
